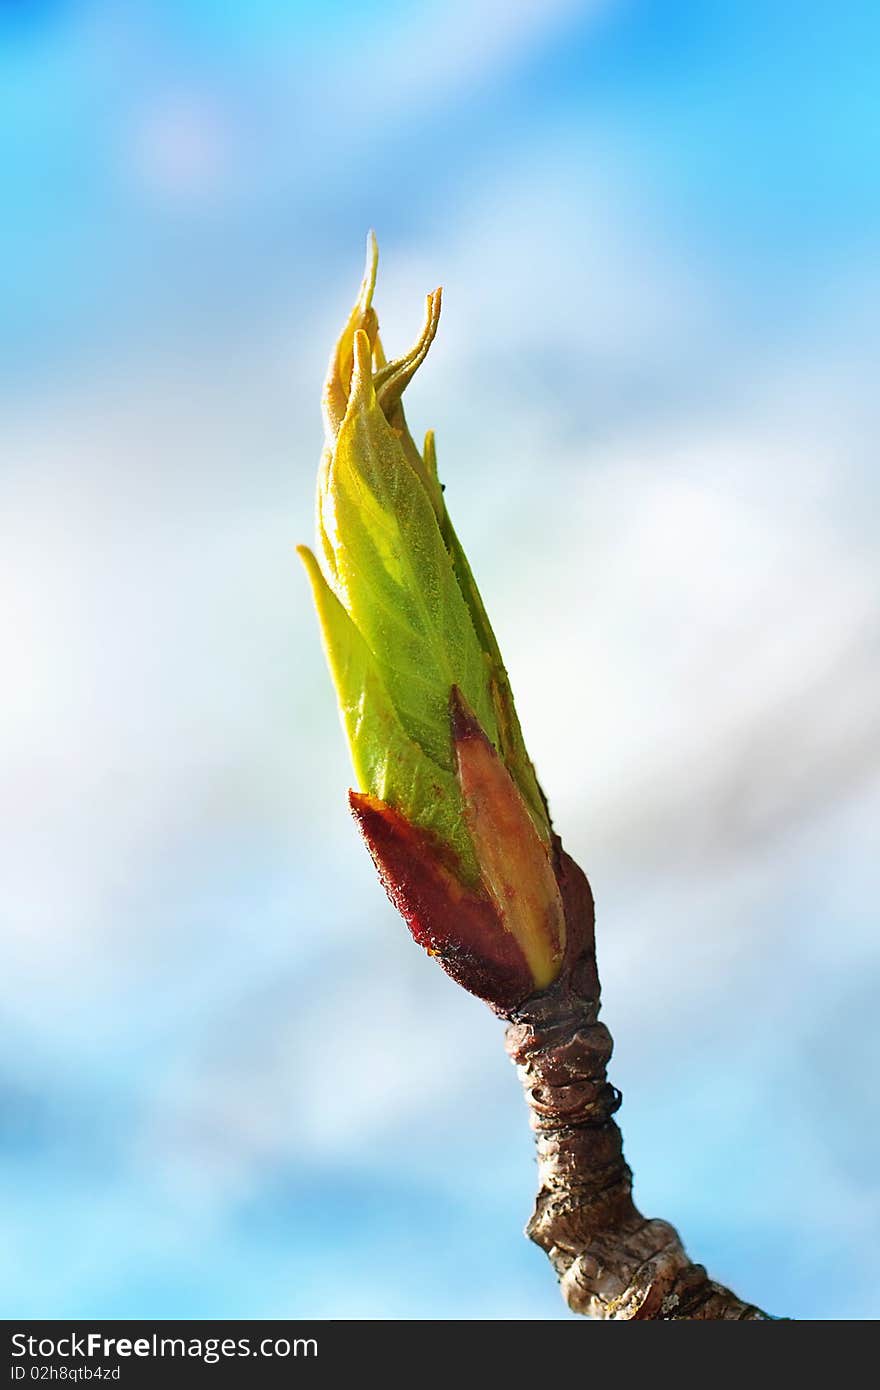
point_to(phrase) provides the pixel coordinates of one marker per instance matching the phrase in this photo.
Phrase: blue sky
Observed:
(295, 125)
(227, 1074)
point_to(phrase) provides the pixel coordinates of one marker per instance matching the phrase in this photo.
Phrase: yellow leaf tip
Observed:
(310, 565)
(362, 368)
(371, 267)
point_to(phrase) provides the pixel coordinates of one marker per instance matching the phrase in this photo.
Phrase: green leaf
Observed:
(402, 618)
(387, 762)
(511, 743)
(394, 575)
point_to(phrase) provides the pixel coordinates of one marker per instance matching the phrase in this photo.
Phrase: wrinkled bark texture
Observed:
(612, 1262)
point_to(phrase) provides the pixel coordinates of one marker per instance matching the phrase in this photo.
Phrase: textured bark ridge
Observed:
(612, 1262)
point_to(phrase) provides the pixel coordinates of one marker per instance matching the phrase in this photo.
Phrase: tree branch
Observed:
(612, 1262)
(459, 830)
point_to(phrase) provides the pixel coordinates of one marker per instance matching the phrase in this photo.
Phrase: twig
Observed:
(612, 1262)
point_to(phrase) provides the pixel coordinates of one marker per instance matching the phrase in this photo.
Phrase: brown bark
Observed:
(612, 1262)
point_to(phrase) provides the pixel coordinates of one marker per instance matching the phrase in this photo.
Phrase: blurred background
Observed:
(230, 1085)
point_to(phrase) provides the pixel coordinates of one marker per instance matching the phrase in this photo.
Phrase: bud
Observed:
(516, 866)
(448, 801)
(460, 926)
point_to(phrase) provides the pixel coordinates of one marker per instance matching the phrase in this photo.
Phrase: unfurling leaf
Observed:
(450, 807)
